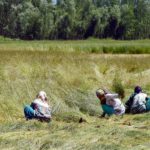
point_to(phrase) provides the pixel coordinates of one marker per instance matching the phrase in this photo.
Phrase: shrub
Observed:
(118, 87)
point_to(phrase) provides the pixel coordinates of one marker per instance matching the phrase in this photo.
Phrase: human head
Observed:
(42, 95)
(137, 89)
(100, 93)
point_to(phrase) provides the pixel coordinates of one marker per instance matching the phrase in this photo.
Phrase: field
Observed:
(70, 72)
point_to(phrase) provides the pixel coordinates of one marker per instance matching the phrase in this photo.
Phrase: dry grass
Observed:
(113, 134)
(70, 80)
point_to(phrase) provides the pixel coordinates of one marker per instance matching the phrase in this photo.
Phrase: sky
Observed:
(54, 2)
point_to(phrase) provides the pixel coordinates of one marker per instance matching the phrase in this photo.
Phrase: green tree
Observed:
(142, 14)
(29, 21)
(126, 29)
(113, 22)
(75, 19)
(46, 18)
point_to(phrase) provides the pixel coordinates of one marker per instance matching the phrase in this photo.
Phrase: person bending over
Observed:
(110, 103)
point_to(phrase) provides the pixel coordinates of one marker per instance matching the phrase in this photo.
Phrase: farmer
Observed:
(137, 102)
(147, 104)
(110, 103)
(39, 108)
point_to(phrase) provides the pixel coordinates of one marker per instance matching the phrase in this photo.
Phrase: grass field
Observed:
(90, 46)
(70, 73)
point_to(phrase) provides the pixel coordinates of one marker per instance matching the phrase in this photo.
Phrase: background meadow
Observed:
(70, 72)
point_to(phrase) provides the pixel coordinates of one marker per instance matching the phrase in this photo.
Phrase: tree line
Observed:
(75, 19)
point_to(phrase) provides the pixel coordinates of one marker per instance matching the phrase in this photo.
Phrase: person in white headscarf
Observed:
(39, 108)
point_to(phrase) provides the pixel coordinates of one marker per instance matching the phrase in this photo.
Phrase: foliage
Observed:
(75, 19)
(118, 87)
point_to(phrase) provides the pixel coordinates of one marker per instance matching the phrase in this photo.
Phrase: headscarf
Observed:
(43, 95)
(137, 89)
(100, 92)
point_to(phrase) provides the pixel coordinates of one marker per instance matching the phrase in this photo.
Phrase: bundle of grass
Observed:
(117, 86)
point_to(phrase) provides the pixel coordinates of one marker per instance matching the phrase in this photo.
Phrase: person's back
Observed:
(129, 103)
(136, 102)
(115, 102)
(139, 102)
(119, 107)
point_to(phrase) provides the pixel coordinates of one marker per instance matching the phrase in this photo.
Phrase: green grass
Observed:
(91, 46)
(70, 78)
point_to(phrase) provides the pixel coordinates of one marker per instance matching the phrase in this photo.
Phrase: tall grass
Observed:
(118, 87)
(70, 78)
